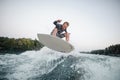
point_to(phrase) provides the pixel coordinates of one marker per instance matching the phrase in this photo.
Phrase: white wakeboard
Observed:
(55, 43)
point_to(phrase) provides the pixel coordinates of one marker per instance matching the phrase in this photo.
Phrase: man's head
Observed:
(65, 25)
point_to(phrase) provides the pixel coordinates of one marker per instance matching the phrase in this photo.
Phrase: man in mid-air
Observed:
(59, 29)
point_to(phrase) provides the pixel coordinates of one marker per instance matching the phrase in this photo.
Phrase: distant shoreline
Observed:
(113, 50)
(17, 46)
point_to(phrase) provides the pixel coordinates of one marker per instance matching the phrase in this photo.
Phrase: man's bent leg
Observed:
(54, 32)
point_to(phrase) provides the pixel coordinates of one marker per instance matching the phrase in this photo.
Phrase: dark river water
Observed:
(51, 65)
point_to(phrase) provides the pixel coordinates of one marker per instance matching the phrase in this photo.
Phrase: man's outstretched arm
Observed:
(67, 36)
(56, 22)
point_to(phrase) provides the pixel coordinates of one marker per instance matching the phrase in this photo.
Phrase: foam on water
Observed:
(47, 64)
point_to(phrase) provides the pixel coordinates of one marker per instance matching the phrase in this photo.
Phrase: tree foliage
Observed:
(113, 50)
(18, 45)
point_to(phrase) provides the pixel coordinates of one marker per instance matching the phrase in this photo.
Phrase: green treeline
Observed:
(113, 50)
(18, 45)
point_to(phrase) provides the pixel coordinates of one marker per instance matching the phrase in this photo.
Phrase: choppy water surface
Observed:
(50, 65)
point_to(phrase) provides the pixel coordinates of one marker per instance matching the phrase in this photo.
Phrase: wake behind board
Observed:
(55, 43)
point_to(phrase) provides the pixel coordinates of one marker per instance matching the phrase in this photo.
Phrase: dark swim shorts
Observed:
(62, 35)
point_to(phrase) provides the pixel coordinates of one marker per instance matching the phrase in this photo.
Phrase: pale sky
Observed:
(94, 24)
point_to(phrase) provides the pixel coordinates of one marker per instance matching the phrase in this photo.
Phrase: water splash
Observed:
(47, 64)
